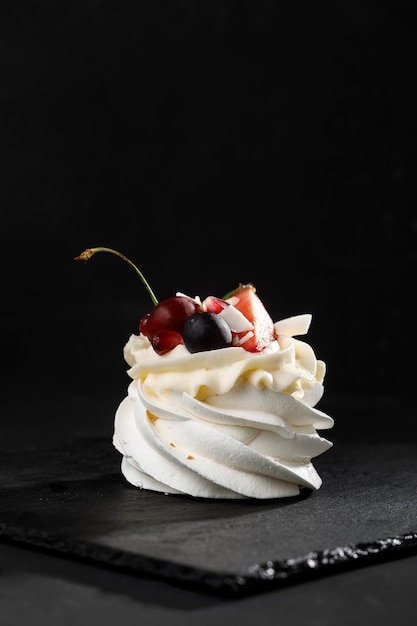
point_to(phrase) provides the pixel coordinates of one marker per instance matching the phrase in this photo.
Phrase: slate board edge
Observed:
(257, 578)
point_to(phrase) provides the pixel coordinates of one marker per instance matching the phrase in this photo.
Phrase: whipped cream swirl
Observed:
(224, 423)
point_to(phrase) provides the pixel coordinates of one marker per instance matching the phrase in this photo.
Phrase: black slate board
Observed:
(73, 500)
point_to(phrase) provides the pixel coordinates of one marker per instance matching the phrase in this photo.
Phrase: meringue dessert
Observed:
(222, 401)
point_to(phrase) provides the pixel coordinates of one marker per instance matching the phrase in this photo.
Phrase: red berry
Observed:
(143, 324)
(170, 314)
(166, 340)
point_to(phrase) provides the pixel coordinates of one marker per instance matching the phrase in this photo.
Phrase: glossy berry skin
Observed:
(170, 314)
(206, 331)
(143, 322)
(166, 340)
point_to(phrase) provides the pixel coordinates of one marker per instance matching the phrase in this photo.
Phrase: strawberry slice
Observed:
(246, 300)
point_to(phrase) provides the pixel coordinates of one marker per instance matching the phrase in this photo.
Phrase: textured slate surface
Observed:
(73, 500)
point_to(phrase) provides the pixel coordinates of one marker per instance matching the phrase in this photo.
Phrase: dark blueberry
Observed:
(206, 331)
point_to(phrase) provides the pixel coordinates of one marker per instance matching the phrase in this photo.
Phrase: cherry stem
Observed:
(89, 252)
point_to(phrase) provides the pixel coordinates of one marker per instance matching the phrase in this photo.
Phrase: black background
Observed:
(213, 143)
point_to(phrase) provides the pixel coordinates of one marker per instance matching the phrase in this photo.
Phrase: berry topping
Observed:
(246, 300)
(142, 324)
(166, 340)
(170, 314)
(238, 319)
(206, 331)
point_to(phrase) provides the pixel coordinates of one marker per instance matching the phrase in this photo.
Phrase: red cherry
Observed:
(170, 314)
(165, 340)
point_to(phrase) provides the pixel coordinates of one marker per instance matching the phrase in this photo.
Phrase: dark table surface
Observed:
(51, 579)
(36, 588)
